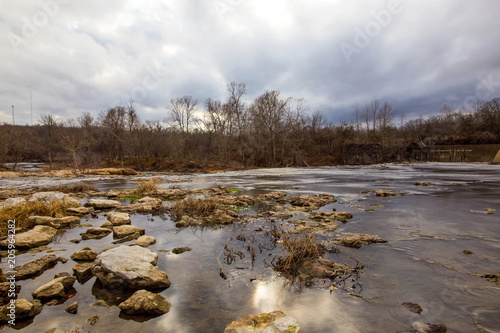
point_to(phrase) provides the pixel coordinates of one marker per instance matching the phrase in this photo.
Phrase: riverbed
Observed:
(427, 230)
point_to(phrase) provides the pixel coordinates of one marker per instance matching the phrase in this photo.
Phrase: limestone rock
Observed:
(80, 210)
(144, 241)
(143, 205)
(126, 230)
(39, 235)
(13, 201)
(47, 196)
(118, 219)
(273, 322)
(24, 310)
(56, 288)
(55, 222)
(146, 303)
(72, 308)
(130, 267)
(113, 194)
(103, 204)
(95, 233)
(85, 254)
(83, 270)
(36, 267)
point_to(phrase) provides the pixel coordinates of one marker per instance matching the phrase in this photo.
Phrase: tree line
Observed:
(271, 130)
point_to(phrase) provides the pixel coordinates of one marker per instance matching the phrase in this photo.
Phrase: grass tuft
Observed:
(20, 213)
(196, 208)
(148, 185)
(76, 188)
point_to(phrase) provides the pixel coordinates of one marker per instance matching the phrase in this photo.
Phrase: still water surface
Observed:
(423, 263)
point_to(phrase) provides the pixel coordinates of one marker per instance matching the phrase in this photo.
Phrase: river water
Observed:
(427, 231)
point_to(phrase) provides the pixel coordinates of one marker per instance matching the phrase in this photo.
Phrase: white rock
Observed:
(119, 218)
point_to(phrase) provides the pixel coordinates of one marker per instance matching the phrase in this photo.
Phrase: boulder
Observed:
(118, 219)
(126, 230)
(39, 235)
(130, 267)
(113, 194)
(54, 222)
(273, 322)
(83, 270)
(144, 241)
(24, 309)
(36, 267)
(70, 201)
(56, 288)
(85, 254)
(103, 204)
(144, 302)
(47, 196)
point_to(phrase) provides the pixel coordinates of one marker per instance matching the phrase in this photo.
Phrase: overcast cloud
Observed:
(77, 56)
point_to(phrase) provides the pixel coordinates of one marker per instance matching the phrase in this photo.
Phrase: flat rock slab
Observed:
(118, 219)
(144, 302)
(103, 204)
(130, 267)
(126, 230)
(273, 322)
(80, 210)
(47, 196)
(36, 267)
(95, 233)
(143, 205)
(38, 236)
(55, 222)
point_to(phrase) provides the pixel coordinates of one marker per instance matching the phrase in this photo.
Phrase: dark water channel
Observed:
(423, 263)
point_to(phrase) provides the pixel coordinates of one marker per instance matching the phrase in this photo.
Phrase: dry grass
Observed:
(297, 249)
(22, 212)
(76, 188)
(195, 208)
(148, 185)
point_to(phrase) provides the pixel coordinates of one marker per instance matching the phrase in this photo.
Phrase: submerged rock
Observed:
(423, 184)
(56, 288)
(388, 193)
(130, 267)
(323, 269)
(36, 267)
(356, 241)
(179, 250)
(24, 310)
(144, 302)
(273, 322)
(39, 235)
(413, 307)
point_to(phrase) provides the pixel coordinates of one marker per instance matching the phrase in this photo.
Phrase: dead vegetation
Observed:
(21, 213)
(148, 185)
(75, 188)
(195, 208)
(297, 249)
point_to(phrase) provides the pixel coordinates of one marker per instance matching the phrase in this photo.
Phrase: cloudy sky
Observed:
(77, 56)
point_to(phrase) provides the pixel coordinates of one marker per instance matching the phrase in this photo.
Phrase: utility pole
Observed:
(31, 103)
(13, 118)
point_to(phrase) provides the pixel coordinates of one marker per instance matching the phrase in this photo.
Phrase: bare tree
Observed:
(50, 123)
(181, 112)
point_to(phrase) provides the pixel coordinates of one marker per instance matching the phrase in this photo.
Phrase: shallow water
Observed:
(423, 262)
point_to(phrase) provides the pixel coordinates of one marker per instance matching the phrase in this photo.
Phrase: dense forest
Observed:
(272, 130)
